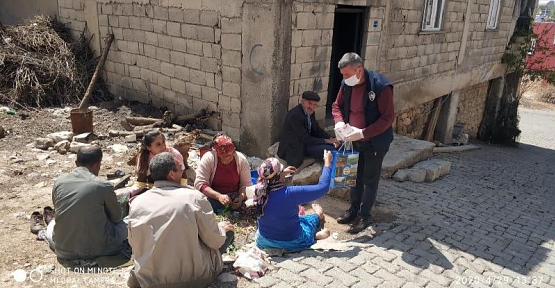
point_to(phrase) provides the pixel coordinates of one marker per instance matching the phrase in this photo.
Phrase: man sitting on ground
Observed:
(88, 221)
(175, 238)
(301, 135)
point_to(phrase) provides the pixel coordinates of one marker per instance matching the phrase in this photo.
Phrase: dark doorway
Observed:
(348, 29)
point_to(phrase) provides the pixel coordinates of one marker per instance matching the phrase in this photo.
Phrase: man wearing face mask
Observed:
(365, 102)
(301, 134)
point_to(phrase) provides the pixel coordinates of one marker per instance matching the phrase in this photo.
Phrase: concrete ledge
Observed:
(448, 149)
(405, 152)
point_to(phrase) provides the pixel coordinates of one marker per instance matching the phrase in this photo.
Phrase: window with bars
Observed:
(493, 16)
(433, 14)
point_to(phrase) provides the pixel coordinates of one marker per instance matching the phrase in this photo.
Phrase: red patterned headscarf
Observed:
(223, 145)
(268, 181)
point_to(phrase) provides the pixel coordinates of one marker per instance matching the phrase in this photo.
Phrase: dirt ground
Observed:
(27, 175)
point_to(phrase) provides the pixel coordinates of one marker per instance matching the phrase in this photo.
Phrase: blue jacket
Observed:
(374, 82)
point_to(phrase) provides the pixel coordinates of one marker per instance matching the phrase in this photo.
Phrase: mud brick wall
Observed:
(472, 102)
(412, 122)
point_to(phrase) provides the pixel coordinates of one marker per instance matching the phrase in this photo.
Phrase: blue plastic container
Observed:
(254, 176)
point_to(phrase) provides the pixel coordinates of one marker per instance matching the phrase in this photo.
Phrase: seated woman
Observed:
(223, 174)
(279, 223)
(153, 143)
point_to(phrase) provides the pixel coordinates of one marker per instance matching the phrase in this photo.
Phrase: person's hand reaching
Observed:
(328, 158)
(224, 199)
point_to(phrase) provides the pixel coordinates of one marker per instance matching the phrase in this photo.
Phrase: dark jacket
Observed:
(374, 82)
(295, 136)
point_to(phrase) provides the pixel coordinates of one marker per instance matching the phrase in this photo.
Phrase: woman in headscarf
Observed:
(223, 174)
(279, 223)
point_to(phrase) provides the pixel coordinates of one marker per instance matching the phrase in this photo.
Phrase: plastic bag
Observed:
(252, 263)
(344, 167)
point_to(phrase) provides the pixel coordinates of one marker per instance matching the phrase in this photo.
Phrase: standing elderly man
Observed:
(88, 221)
(175, 238)
(365, 102)
(301, 135)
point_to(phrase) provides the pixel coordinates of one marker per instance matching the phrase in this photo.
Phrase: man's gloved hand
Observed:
(339, 124)
(355, 135)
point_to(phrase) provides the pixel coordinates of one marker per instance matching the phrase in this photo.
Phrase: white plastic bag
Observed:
(252, 263)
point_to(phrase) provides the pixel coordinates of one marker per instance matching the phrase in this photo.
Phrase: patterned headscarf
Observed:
(223, 145)
(268, 181)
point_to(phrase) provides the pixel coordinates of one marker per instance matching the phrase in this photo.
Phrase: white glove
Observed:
(355, 135)
(339, 125)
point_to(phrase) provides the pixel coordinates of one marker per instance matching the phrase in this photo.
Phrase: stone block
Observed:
(191, 16)
(210, 81)
(146, 24)
(209, 18)
(400, 176)
(197, 77)
(164, 81)
(224, 102)
(231, 74)
(306, 21)
(209, 94)
(231, 89)
(231, 41)
(434, 168)
(175, 14)
(59, 136)
(165, 41)
(404, 152)
(232, 25)
(236, 105)
(193, 90)
(194, 47)
(209, 65)
(167, 69)
(179, 44)
(178, 85)
(312, 38)
(341, 193)
(309, 175)
(189, 31)
(416, 175)
(205, 34)
(192, 61)
(181, 73)
(231, 58)
(161, 13)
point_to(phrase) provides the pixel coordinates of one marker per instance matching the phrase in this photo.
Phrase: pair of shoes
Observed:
(48, 214)
(347, 218)
(359, 225)
(37, 222)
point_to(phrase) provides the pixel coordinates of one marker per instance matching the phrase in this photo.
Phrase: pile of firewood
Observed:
(187, 128)
(141, 125)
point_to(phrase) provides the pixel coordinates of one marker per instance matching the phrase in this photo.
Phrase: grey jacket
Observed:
(86, 212)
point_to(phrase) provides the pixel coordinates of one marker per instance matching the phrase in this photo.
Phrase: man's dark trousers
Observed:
(369, 169)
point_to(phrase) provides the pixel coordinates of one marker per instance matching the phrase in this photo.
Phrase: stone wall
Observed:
(472, 102)
(182, 55)
(412, 122)
(72, 13)
(14, 12)
(312, 32)
(426, 65)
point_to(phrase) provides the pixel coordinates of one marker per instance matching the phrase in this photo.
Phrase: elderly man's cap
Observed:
(311, 95)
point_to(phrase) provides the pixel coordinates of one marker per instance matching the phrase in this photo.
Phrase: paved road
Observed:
(490, 222)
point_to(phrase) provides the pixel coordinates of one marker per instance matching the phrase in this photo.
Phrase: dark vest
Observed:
(374, 82)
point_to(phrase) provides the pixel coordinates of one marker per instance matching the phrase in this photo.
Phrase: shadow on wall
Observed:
(14, 12)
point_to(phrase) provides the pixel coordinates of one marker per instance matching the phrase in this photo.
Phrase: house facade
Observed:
(249, 60)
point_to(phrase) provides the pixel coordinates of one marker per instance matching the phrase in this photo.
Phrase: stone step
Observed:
(405, 152)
